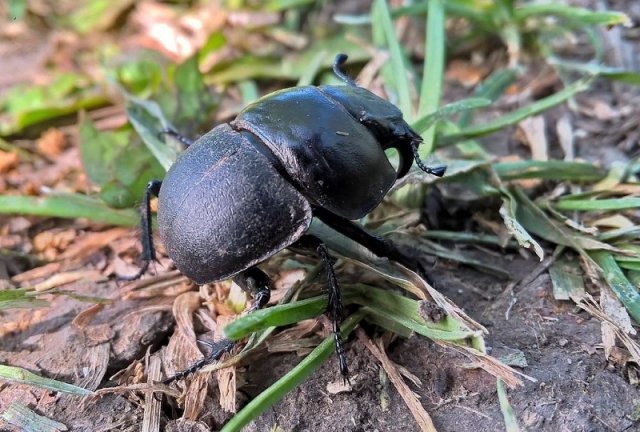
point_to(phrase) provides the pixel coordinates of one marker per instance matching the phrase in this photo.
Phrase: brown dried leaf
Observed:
(533, 133)
(8, 161)
(92, 241)
(51, 143)
(465, 73)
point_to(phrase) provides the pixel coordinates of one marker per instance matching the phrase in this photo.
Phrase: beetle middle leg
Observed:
(148, 250)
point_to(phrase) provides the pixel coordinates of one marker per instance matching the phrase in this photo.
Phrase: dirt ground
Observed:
(576, 390)
(552, 341)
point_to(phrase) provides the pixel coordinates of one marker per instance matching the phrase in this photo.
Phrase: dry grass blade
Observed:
(590, 305)
(491, 364)
(23, 418)
(152, 405)
(422, 417)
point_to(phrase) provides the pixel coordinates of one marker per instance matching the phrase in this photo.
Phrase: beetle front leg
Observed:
(334, 307)
(185, 141)
(148, 250)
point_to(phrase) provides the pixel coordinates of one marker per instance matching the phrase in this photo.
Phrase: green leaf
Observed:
(122, 166)
(96, 15)
(148, 119)
(98, 150)
(22, 417)
(194, 102)
(29, 105)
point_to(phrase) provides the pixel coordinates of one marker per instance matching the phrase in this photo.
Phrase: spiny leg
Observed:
(334, 306)
(148, 251)
(253, 281)
(186, 141)
(215, 352)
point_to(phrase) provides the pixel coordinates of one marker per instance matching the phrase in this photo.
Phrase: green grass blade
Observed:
(509, 416)
(572, 13)
(278, 315)
(598, 204)
(621, 286)
(310, 73)
(22, 376)
(595, 68)
(426, 122)
(550, 170)
(68, 206)
(537, 222)
(491, 88)
(520, 114)
(382, 19)
(22, 417)
(293, 378)
(19, 298)
(433, 72)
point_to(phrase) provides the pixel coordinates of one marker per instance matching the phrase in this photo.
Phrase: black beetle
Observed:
(249, 188)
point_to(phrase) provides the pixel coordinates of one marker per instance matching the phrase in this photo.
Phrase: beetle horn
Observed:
(437, 170)
(337, 63)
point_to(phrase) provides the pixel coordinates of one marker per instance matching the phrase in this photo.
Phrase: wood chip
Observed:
(152, 405)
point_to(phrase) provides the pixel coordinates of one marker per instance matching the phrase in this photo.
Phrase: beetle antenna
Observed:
(437, 170)
(340, 60)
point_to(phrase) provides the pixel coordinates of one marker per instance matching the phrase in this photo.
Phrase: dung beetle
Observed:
(249, 188)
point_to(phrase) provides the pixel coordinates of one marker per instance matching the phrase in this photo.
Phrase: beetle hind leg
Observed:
(148, 250)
